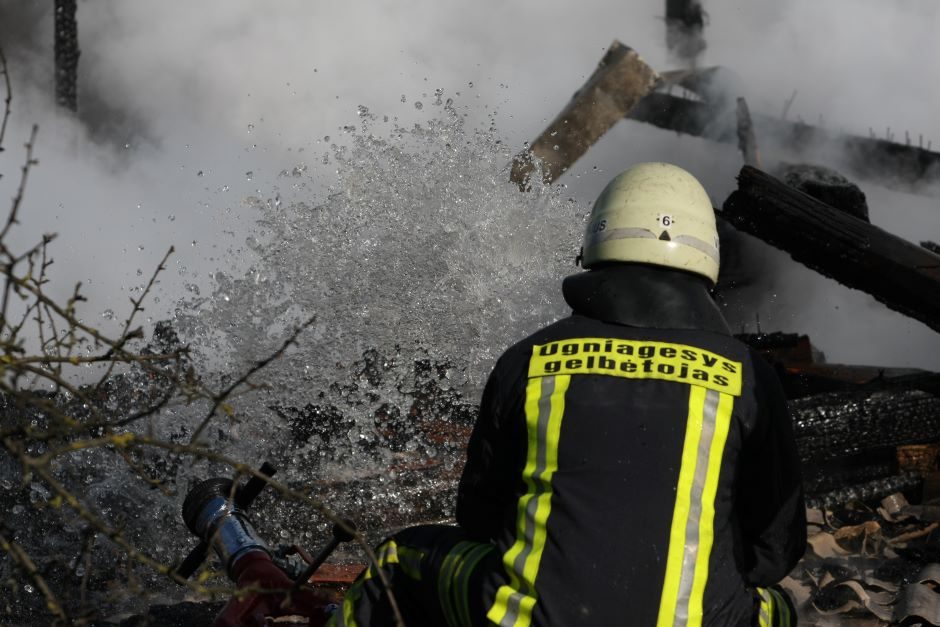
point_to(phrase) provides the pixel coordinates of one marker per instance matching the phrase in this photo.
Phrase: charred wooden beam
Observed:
(931, 246)
(682, 115)
(620, 81)
(685, 25)
(902, 275)
(747, 139)
(811, 379)
(841, 424)
(66, 54)
(867, 157)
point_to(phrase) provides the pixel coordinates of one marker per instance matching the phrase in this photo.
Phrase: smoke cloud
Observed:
(188, 108)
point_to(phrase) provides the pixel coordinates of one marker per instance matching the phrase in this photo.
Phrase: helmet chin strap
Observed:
(642, 295)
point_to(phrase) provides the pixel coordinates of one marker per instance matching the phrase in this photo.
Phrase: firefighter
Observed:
(632, 464)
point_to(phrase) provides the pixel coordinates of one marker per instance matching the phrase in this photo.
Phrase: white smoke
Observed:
(182, 101)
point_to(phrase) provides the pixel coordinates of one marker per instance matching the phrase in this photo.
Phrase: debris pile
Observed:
(870, 566)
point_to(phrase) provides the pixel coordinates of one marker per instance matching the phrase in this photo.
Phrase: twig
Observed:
(21, 189)
(22, 558)
(96, 359)
(85, 556)
(106, 530)
(220, 398)
(155, 407)
(159, 484)
(126, 334)
(9, 97)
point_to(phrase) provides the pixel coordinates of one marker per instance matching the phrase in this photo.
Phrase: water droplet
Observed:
(418, 105)
(28, 588)
(326, 138)
(555, 147)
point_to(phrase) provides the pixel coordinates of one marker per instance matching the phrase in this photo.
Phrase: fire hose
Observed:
(216, 512)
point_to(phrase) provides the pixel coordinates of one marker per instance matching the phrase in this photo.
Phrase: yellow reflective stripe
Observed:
(707, 520)
(693, 524)
(676, 554)
(544, 410)
(348, 617)
(386, 554)
(766, 610)
(409, 560)
(533, 395)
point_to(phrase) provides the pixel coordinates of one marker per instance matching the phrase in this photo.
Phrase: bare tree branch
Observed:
(220, 398)
(8, 99)
(24, 561)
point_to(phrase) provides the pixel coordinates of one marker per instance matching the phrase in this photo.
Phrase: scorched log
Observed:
(902, 275)
(620, 81)
(868, 157)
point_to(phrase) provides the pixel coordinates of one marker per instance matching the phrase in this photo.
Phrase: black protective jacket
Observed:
(633, 463)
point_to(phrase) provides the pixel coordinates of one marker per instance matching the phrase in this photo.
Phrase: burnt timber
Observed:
(620, 81)
(66, 54)
(867, 157)
(902, 275)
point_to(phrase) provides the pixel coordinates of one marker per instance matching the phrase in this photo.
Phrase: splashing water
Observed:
(421, 263)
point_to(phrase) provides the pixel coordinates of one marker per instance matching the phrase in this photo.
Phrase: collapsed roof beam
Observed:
(867, 157)
(900, 274)
(620, 81)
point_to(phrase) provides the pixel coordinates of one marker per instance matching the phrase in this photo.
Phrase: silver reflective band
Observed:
(697, 244)
(689, 560)
(640, 233)
(623, 233)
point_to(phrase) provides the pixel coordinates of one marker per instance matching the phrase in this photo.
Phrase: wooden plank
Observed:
(902, 275)
(621, 80)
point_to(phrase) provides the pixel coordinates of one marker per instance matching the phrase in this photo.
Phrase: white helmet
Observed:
(654, 213)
